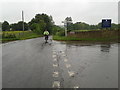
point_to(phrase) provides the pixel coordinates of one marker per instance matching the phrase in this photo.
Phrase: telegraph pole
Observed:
(23, 19)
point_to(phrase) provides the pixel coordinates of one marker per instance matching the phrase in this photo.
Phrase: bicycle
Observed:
(46, 38)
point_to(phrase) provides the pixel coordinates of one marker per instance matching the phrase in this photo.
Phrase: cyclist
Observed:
(46, 34)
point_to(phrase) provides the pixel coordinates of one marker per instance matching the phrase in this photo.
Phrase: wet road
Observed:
(34, 64)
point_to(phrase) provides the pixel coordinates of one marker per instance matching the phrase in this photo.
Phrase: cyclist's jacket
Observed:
(46, 33)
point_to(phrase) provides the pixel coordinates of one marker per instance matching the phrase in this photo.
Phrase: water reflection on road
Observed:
(95, 65)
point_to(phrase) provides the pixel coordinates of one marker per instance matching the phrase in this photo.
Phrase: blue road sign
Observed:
(106, 23)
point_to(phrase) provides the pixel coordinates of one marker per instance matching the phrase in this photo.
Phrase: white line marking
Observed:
(71, 73)
(65, 60)
(63, 52)
(56, 84)
(55, 74)
(68, 65)
(54, 56)
(55, 59)
(55, 65)
(76, 87)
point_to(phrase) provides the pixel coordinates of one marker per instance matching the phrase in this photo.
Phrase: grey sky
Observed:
(119, 13)
(80, 10)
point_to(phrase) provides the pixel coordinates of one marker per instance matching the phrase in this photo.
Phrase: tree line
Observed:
(37, 24)
(85, 26)
(43, 22)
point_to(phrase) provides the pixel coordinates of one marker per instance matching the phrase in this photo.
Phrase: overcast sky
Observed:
(89, 11)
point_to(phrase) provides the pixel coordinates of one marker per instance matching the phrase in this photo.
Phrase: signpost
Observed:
(106, 23)
(65, 25)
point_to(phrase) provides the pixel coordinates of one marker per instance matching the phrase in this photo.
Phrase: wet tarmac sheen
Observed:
(35, 64)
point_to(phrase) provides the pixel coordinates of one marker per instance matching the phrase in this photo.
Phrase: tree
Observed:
(5, 26)
(14, 27)
(48, 22)
(99, 26)
(0, 24)
(56, 29)
(81, 26)
(68, 19)
(19, 26)
(41, 22)
(118, 26)
(114, 26)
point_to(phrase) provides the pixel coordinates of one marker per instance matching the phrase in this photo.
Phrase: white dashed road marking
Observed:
(65, 60)
(56, 84)
(76, 87)
(63, 52)
(68, 65)
(55, 74)
(55, 65)
(54, 56)
(71, 73)
(54, 59)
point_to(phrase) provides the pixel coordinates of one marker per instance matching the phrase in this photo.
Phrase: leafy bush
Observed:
(18, 35)
(61, 33)
(9, 36)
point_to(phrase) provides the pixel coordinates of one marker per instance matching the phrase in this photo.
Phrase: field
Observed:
(79, 35)
(85, 30)
(17, 35)
(90, 35)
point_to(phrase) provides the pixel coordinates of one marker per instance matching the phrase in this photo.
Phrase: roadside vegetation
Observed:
(18, 35)
(96, 36)
(78, 31)
(33, 29)
(81, 31)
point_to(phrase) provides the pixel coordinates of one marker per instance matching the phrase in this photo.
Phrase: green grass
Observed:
(59, 38)
(14, 32)
(18, 35)
(106, 35)
(28, 35)
(84, 30)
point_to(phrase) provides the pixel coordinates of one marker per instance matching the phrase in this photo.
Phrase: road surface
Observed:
(34, 64)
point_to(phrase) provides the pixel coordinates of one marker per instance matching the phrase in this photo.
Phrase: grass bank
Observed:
(62, 38)
(95, 36)
(7, 36)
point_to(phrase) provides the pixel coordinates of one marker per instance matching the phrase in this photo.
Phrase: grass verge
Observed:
(63, 38)
(18, 35)
(89, 35)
